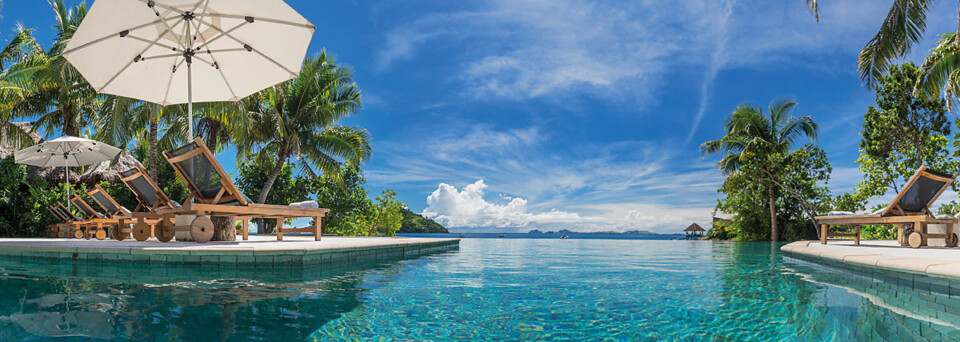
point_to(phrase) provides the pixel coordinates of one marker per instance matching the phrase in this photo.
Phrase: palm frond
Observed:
(903, 27)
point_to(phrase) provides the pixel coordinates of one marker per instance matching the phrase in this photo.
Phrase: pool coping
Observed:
(234, 255)
(872, 258)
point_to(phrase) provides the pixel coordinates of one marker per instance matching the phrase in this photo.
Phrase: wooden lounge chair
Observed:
(71, 223)
(216, 195)
(150, 197)
(909, 212)
(93, 222)
(61, 229)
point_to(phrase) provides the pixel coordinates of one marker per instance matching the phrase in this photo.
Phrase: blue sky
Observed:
(510, 115)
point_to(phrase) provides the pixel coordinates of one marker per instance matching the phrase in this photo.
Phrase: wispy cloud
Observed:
(717, 60)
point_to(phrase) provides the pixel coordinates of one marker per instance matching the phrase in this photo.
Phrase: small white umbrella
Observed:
(140, 48)
(68, 152)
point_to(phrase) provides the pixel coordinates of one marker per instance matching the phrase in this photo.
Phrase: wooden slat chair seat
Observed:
(911, 207)
(150, 198)
(216, 194)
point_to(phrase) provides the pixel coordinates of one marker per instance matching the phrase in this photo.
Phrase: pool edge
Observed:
(869, 260)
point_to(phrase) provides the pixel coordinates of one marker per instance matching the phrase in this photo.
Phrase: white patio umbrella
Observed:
(68, 152)
(140, 48)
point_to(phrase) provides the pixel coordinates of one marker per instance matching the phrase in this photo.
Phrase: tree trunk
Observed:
(272, 178)
(956, 39)
(154, 158)
(224, 228)
(69, 124)
(774, 233)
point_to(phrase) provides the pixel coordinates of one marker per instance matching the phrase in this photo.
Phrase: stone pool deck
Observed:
(880, 254)
(259, 251)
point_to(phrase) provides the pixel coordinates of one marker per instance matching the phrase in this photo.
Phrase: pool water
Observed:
(489, 289)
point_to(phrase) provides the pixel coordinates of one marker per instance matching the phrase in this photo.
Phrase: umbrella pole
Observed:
(66, 176)
(190, 99)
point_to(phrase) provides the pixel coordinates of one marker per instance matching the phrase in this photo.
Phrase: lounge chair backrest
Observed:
(109, 205)
(64, 212)
(56, 212)
(85, 208)
(207, 181)
(147, 191)
(920, 192)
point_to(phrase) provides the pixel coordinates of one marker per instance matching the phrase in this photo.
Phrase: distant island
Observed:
(414, 223)
(567, 231)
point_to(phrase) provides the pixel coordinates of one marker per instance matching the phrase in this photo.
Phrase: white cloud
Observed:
(591, 186)
(468, 209)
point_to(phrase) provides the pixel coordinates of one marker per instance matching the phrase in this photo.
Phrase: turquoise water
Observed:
(489, 289)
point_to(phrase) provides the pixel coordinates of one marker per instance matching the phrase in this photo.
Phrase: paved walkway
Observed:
(937, 261)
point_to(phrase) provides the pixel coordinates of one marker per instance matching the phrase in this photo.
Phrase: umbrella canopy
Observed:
(50, 174)
(66, 151)
(146, 49)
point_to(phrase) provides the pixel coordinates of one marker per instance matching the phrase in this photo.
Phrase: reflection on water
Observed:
(887, 305)
(123, 301)
(490, 289)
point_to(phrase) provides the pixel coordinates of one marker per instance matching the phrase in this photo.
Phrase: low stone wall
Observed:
(226, 257)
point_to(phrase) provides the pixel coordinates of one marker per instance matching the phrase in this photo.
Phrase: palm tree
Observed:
(904, 26)
(940, 72)
(57, 92)
(19, 60)
(119, 120)
(297, 121)
(752, 134)
(814, 8)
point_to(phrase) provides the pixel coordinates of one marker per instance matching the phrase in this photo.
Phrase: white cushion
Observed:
(306, 205)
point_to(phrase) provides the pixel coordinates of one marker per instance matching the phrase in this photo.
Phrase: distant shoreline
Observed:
(566, 231)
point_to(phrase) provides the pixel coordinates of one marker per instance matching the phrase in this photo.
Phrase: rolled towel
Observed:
(840, 213)
(945, 217)
(306, 205)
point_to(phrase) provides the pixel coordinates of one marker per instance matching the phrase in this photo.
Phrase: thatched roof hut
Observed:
(694, 228)
(109, 171)
(50, 174)
(7, 150)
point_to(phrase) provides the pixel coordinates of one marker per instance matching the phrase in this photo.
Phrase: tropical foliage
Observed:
(902, 132)
(414, 223)
(296, 123)
(288, 137)
(758, 145)
(24, 201)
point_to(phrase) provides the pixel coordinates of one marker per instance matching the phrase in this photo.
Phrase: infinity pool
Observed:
(489, 289)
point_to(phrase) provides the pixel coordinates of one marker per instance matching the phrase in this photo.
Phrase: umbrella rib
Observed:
(206, 5)
(134, 60)
(170, 80)
(154, 43)
(100, 40)
(221, 35)
(269, 20)
(166, 7)
(215, 62)
(250, 48)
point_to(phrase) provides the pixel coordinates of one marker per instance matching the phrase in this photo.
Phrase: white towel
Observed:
(840, 213)
(306, 205)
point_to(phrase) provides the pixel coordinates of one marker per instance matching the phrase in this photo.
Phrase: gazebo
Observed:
(694, 232)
